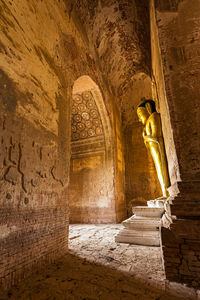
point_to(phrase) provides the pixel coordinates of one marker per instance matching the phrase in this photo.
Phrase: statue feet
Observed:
(158, 202)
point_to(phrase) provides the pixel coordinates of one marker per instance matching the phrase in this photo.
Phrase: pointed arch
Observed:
(92, 166)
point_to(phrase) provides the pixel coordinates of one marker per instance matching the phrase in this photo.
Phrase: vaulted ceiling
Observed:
(118, 33)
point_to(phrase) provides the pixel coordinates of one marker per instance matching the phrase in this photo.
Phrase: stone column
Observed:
(180, 233)
(175, 38)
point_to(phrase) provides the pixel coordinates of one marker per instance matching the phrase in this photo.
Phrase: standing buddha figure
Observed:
(153, 140)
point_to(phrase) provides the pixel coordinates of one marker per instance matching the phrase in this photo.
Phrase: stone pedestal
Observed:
(143, 228)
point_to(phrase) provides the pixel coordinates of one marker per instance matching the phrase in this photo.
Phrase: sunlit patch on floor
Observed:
(96, 243)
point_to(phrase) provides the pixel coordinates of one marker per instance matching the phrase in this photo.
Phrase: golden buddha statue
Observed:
(153, 140)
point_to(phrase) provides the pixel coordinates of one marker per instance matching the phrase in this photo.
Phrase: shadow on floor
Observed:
(74, 278)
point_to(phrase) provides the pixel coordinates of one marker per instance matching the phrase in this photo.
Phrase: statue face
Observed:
(149, 108)
(142, 115)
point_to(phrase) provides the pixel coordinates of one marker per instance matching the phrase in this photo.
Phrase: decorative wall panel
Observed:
(86, 121)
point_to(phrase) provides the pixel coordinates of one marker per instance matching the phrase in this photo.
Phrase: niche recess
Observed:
(91, 190)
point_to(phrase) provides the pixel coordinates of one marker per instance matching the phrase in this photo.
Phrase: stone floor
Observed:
(96, 243)
(98, 268)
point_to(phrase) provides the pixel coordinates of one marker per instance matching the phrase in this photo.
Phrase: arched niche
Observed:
(91, 192)
(140, 175)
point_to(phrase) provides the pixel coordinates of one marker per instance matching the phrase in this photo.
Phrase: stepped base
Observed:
(145, 211)
(143, 228)
(142, 223)
(145, 238)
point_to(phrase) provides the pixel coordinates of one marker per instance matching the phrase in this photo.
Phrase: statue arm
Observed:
(145, 137)
(155, 126)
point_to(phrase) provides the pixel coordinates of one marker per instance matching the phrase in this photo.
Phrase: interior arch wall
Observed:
(91, 192)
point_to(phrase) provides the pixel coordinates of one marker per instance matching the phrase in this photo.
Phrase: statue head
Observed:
(145, 109)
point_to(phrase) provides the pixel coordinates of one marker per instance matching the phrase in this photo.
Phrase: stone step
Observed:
(145, 238)
(150, 212)
(142, 223)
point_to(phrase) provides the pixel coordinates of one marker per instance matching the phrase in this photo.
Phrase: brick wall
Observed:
(175, 53)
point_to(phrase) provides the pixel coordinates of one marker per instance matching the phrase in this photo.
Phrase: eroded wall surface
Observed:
(34, 137)
(43, 50)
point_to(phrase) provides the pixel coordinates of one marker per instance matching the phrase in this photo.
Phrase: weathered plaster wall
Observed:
(43, 50)
(88, 190)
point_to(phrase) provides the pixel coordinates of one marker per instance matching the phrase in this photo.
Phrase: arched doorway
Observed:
(91, 191)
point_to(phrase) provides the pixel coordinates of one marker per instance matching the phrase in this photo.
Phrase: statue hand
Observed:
(144, 133)
(149, 138)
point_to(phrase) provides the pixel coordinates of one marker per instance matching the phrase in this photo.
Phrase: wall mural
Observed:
(86, 121)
